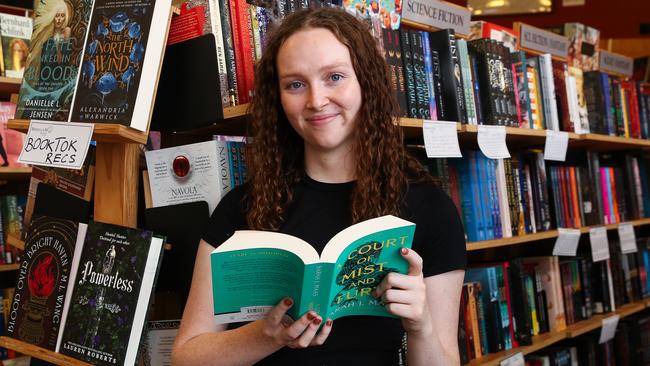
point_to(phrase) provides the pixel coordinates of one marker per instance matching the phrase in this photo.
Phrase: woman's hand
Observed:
(301, 333)
(405, 295)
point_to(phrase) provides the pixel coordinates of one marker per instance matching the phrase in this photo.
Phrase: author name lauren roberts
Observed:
(85, 351)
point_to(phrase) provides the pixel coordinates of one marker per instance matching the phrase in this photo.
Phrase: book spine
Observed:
(444, 43)
(409, 72)
(215, 21)
(422, 90)
(476, 88)
(255, 27)
(240, 70)
(229, 51)
(609, 106)
(428, 66)
(468, 89)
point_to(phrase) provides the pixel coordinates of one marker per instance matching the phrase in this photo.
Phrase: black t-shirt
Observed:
(319, 211)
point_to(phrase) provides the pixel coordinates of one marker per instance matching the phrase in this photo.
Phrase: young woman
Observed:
(325, 154)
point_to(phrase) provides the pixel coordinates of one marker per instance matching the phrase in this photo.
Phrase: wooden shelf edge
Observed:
(15, 242)
(40, 353)
(15, 170)
(495, 243)
(240, 110)
(11, 81)
(9, 267)
(107, 132)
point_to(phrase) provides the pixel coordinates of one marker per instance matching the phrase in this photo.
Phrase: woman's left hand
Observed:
(405, 295)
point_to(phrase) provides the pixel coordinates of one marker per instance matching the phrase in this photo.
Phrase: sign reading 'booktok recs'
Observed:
(542, 41)
(438, 14)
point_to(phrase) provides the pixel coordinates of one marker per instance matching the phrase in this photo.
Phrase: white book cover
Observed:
(504, 207)
(183, 174)
(549, 91)
(16, 37)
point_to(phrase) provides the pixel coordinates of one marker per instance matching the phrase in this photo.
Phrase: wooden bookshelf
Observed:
(605, 143)
(235, 111)
(9, 86)
(106, 132)
(15, 173)
(574, 330)
(9, 267)
(40, 353)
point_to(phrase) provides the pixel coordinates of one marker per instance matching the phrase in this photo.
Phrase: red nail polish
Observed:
(328, 322)
(288, 302)
(317, 321)
(310, 316)
(405, 251)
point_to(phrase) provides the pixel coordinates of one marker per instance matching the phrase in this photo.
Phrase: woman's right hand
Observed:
(301, 333)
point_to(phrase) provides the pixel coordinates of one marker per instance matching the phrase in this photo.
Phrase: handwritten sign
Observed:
(599, 243)
(441, 139)
(543, 41)
(615, 63)
(608, 328)
(627, 238)
(492, 141)
(57, 144)
(438, 14)
(567, 242)
(515, 360)
(556, 145)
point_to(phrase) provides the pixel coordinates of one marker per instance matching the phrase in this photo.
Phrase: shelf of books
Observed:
(105, 132)
(40, 353)
(546, 339)
(9, 86)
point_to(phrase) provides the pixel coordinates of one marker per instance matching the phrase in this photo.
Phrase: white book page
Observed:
(250, 239)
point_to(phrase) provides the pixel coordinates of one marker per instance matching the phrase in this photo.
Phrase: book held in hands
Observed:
(252, 271)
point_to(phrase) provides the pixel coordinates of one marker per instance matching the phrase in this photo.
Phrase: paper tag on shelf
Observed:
(599, 244)
(608, 328)
(492, 141)
(441, 139)
(515, 360)
(627, 238)
(566, 242)
(56, 144)
(556, 145)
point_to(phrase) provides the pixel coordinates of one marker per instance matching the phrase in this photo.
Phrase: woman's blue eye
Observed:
(294, 85)
(336, 77)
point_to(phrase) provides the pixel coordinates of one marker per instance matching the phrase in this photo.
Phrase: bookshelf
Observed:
(40, 353)
(15, 173)
(574, 330)
(9, 267)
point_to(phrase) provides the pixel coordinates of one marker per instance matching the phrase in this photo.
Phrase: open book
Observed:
(253, 270)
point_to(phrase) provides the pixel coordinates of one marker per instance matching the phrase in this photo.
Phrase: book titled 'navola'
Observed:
(252, 271)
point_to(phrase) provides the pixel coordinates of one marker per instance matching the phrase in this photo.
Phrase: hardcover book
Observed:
(187, 173)
(122, 57)
(54, 59)
(16, 35)
(105, 317)
(253, 270)
(42, 281)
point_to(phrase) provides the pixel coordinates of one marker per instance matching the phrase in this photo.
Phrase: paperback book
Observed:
(16, 33)
(253, 270)
(105, 312)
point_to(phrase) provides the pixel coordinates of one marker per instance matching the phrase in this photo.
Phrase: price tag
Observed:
(599, 244)
(556, 145)
(608, 328)
(56, 144)
(515, 360)
(627, 238)
(492, 141)
(567, 242)
(441, 139)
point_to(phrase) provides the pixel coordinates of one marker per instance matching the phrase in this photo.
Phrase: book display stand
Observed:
(188, 103)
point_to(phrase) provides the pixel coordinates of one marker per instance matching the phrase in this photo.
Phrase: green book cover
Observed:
(253, 270)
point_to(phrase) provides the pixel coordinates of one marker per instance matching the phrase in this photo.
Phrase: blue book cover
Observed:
(609, 107)
(428, 68)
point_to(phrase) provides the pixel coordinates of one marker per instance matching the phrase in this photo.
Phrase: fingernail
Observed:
(317, 321)
(405, 251)
(310, 316)
(288, 302)
(328, 322)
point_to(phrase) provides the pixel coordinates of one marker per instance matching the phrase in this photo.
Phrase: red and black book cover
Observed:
(43, 277)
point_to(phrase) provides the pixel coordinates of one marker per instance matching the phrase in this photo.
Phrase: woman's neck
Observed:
(330, 168)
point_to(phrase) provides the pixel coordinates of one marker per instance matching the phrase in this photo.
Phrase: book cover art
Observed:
(105, 317)
(113, 61)
(16, 36)
(42, 281)
(54, 58)
(11, 142)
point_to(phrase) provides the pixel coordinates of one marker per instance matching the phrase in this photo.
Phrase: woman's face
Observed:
(319, 90)
(59, 19)
(18, 51)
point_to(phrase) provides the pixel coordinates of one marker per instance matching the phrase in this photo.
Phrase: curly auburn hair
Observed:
(276, 156)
